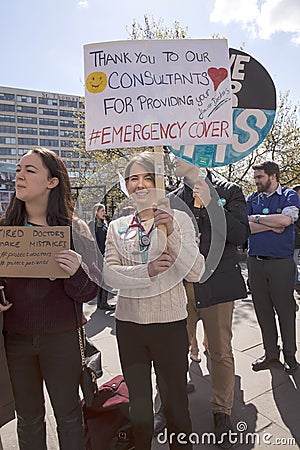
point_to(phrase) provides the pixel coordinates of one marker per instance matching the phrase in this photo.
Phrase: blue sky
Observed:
(41, 43)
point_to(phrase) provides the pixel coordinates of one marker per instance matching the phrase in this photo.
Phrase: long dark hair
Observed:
(60, 206)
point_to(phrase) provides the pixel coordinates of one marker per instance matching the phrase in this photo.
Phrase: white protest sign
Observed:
(157, 92)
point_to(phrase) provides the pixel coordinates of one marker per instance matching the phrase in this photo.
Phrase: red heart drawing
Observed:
(217, 75)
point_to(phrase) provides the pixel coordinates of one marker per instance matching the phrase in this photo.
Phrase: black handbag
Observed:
(91, 367)
(123, 440)
(107, 422)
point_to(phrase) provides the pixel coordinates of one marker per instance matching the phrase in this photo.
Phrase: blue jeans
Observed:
(53, 359)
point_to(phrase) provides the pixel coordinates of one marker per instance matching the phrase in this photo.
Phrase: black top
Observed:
(99, 231)
(224, 281)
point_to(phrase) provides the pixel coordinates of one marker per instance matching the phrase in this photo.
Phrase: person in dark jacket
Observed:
(98, 228)
(223, 225)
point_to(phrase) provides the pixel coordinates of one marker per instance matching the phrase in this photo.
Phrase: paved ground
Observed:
(266, 409)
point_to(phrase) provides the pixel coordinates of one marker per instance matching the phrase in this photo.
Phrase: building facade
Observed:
(37, 118)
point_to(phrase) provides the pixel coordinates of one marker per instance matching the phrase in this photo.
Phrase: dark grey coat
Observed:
(7, 411)
(225, 282)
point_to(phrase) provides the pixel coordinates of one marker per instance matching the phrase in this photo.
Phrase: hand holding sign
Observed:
(160, 264)
(69, 261)
(163, 215)
(4, 304)
(201, 193)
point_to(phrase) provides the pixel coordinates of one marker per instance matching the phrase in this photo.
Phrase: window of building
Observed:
(25, 130)
(27, 119)
(27, 109)
(8, 151)
(66, 113)
(27, 141)
(48, 132)
(7, 129)
(49, 142)
(67, 143)
(48, 101)
(26, 99)
(7, 140)
(21, 151)
(50, 122)
(4, 118)
(66, 153)
(68, 123)
(68, 133)
(48, 111)
(68, 103)
(81, 105)
(5, 96)
(4, 107)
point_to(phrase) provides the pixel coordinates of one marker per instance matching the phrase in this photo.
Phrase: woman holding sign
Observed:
(151, 308)
(7, 410)
(41, 325)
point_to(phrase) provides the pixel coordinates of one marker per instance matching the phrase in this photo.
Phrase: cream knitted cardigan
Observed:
(160, 299)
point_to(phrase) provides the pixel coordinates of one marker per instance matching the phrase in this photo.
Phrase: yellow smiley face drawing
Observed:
(96, 82)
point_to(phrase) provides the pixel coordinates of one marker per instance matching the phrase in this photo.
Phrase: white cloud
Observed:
(83, 3)
(227, 11)
(262, 18)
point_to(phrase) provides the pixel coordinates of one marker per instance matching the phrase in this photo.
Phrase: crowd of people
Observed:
(174, 262)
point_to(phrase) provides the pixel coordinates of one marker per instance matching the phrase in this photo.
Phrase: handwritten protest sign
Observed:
(253, 114)
(29, 251)
(156, 92)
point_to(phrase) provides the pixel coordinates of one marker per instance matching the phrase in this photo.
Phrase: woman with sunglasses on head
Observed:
(41, 326)
(151, 308)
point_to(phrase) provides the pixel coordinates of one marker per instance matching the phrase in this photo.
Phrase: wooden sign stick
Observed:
(160, 190)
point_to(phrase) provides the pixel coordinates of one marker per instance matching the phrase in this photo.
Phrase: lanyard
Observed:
(144, 238)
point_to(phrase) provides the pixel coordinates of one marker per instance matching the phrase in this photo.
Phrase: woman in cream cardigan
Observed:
(151, 308)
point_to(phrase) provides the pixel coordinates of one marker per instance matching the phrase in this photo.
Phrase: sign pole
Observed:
(160, 191)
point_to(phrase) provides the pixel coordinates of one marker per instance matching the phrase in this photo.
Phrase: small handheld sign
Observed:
(29, 252)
